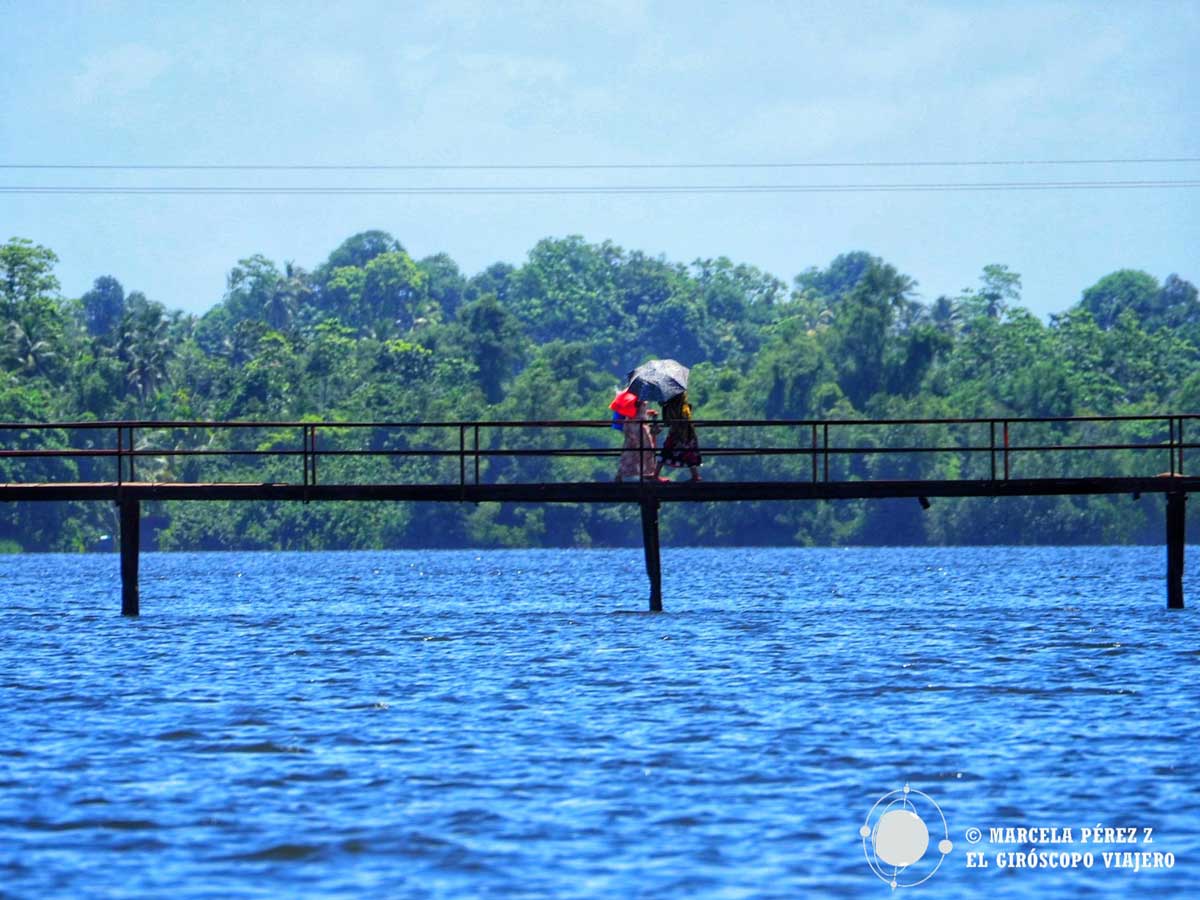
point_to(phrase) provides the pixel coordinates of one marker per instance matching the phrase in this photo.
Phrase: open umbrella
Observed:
(659, 380)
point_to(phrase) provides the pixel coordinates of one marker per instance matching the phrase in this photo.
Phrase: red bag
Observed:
(625, 404)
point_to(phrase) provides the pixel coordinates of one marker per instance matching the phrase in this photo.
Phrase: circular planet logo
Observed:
(896, 837)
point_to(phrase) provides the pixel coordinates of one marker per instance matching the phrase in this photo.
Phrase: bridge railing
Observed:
(485, 452)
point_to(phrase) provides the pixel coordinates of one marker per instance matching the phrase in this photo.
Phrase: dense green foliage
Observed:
(373, 335)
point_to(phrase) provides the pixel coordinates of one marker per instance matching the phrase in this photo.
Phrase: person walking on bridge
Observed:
(682, 447)
(640, 430)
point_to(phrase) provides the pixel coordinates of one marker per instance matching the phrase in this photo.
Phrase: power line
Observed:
(448, 167)
(544, 190)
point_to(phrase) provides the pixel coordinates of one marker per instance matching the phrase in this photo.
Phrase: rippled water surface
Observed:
(500, 724)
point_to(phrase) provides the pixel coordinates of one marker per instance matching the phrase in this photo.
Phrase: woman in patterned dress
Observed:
(682, 447)
(637, 460)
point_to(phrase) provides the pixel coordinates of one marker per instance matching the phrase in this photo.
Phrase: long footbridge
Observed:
(131, 462)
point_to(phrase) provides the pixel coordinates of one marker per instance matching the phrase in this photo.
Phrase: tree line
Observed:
(372, 334)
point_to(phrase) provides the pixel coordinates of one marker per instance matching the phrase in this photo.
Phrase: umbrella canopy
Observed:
(659, 380)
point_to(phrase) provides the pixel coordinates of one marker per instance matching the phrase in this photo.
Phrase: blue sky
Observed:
(603, 82)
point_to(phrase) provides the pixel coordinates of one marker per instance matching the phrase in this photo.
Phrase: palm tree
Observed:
(910, 314)
(147, 369)
(30, 354)
(145, 348)
(946, 315)
(287, 297)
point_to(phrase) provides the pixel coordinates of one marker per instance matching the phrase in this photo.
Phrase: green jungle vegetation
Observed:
(372, 335)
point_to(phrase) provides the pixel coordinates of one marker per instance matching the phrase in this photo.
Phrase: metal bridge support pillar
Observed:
(1176, 528)
(130, 538)
(650, 542)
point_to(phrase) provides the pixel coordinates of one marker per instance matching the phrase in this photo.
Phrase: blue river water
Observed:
(511, 724)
